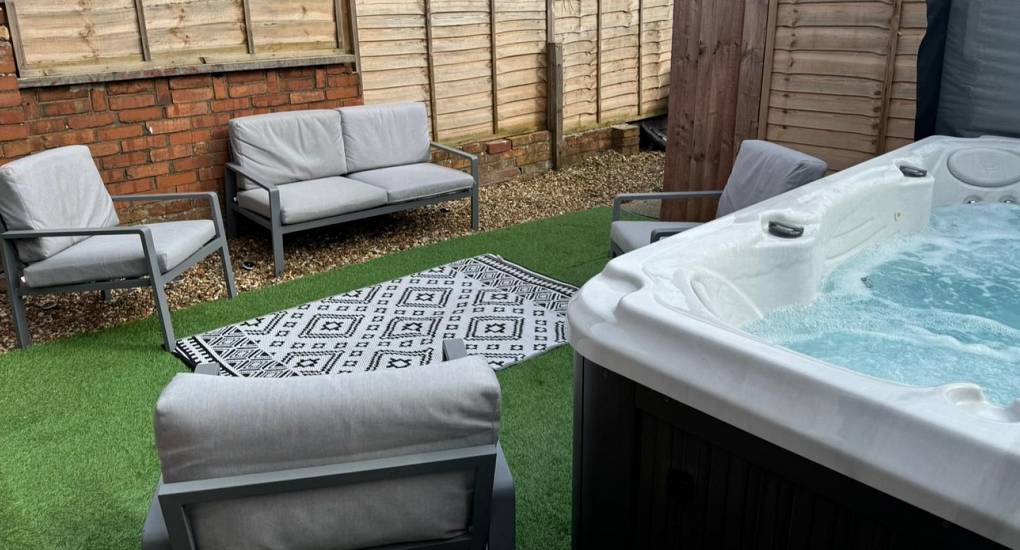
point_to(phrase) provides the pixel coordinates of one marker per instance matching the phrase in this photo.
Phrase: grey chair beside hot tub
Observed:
(761, 171)
(385, 460)
(61, 233)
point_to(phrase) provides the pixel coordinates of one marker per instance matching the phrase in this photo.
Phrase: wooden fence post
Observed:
(554, 100)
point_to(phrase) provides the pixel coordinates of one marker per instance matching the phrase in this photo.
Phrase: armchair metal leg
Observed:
(278, 252)
(228, 271)
(163, 310)
(474, 209)
(17, 301)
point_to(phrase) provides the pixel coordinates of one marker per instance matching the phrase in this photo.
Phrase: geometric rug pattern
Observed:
(503, 312)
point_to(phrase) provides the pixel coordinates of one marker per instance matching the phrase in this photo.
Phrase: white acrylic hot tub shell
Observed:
(664, 316)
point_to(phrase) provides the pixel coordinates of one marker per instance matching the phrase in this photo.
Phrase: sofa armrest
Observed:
(249, 175)
(668, 195)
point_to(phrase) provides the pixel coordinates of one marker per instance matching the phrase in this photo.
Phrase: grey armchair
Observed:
(386, 460)
(761, 171)
(61, 234)
(298, 170)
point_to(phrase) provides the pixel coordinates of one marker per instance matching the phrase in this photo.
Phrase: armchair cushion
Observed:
(764, 170)
(378, 136)
(315, 199)
(631, 235)
(208, 427)
(108, 257)
(56, 189)
(415, 181)
(289, 146)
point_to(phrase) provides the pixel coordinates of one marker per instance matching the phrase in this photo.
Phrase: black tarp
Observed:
(968, 69)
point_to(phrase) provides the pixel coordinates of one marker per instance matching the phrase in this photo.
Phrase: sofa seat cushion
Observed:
(289, 146)
(415, 181)
(315, 199)
(632, 235)
(120, 256)
(213, 426)
(56, 189)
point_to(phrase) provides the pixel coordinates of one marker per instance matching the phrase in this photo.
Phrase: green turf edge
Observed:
(77, 464)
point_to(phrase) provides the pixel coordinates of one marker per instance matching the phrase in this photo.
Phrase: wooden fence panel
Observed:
(656, 35)
(577, 30)
(61, 33)
(293, 24)
(187, 31)
(520, 58)
(394, 52)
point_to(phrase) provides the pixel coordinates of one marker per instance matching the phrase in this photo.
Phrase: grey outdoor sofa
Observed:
(761, 171)
(61, 233)
(384, 460)
(298, 170)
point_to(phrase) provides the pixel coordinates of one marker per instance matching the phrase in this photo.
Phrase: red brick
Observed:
(15, 149)
(124, 160)
(120, 132)
(7, 58)
(293, 85)
(130, 87)
(220, 87)
(138, 115)
(9, 82)
(91, 120)
(135, 101)
(305, 97)
(99, 101)
(170, 153)
(74, 137)
(162, 92)
(12, 116)
(206, 121)
(246, 76)
(49, 125)
(148, 142)
(65, 107)
(9, 133)
(271, 100)
(320, 78)
(195, 81)
(192, 94)
(193, 163)
(176, 179)
(342, 81)
(146, 170)
(297, 72)
(187, 109)
(248, 89)
(62, 92)
(498, 146)
(194, 136)
(211, 146)
(168, 126)
(341, 93)
(104, 149)
(221, 105)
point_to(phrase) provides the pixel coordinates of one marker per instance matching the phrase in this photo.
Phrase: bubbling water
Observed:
(937, 307)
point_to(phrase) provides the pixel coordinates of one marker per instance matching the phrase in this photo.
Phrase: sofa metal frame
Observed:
(154, 278)
(493, 503)
(277, 229)
(661, 233)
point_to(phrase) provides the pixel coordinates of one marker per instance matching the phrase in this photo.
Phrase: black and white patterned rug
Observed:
(501, 310)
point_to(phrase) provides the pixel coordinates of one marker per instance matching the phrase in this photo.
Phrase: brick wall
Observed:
(170, 134)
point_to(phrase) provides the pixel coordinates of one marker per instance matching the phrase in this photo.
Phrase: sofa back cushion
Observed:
(289, 146)
(764, 170)
(379, 136)
(56, 189)
(210, 427)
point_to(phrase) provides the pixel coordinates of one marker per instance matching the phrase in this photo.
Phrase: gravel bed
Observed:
(590, 184)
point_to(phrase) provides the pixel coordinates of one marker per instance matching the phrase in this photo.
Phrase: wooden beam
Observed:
(248, 35)
(494, 73)
(338, 17)
(890, 74)
(143, 32)
(554, 100)
(640, 51)
(598, 61)
(352, 20)
(766, 73)
(550, 21)
(431, 69)
(12, 23)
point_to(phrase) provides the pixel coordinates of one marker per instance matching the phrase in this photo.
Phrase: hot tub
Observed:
(690, 430)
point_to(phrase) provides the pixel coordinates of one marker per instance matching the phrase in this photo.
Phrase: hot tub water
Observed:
(932, 308)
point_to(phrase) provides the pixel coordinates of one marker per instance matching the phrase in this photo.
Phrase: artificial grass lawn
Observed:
(77, 463)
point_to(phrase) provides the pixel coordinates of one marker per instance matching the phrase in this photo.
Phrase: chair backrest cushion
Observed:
(764, 170)
(209, 427)
(289, 146)
(56, 189)
(379, 136)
